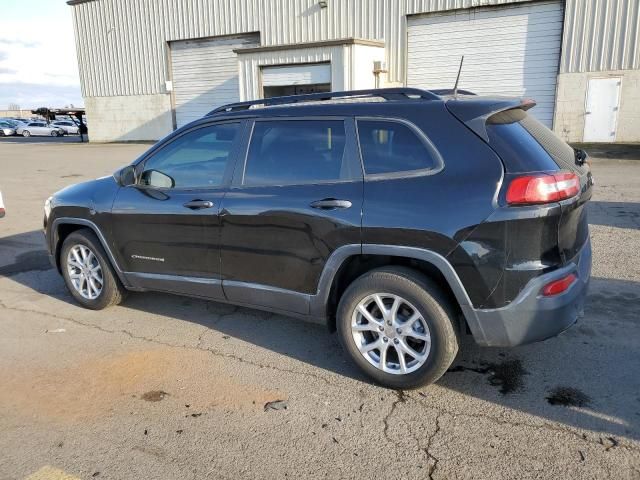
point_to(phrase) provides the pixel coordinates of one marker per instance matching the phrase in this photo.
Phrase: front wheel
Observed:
(26, 133)
(88, 273)
(398, 327)
(54, 133)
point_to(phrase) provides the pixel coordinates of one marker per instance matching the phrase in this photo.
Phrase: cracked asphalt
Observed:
(170, 387)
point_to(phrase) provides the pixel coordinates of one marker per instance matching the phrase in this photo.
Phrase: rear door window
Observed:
(389, 147)
(292, 152)
(526, 145)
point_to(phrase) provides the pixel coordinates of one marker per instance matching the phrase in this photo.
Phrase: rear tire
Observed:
(54, 133)
(88, 273)
(430, 336)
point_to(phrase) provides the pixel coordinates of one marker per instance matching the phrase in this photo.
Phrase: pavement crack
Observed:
(545, 426)
(427, 449)
(212, 351)
(401, 398)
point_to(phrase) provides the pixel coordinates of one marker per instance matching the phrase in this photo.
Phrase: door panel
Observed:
(297, 199)
(602, 110)
(167, 226)
(273, 236)
(156, 233)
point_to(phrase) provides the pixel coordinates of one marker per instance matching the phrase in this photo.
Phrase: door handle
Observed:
(330, 204)
(198, 204)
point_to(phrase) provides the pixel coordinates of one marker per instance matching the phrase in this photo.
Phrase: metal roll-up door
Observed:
(512, 50)
(307, 74)
(205, 74)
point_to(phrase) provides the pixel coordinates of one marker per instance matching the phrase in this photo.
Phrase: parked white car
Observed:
(6, 129)
(39, 128)
(67, 125)
(1, 206)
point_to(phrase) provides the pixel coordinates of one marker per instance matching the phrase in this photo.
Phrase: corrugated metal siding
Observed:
(122, 44)
(601, 35)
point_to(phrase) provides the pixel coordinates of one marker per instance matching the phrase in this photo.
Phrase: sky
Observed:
(38, 63)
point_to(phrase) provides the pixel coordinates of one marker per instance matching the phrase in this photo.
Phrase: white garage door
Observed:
(205, 74)
(511, 50)
(296, 74)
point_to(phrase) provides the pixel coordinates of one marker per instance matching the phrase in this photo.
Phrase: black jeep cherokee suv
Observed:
(402, 218)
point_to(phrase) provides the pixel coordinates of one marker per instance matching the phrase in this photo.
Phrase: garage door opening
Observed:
(508, 50)
(286, 90)
(285, 80)
(205, 74)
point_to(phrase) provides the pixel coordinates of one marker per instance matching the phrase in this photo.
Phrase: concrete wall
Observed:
(129, 118)
(571, 105)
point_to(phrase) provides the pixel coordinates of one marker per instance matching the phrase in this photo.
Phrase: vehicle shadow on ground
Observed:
(595, 363)
(23, 252)
(614, 214)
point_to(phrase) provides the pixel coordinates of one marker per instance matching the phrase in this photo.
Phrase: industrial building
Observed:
(150, 66)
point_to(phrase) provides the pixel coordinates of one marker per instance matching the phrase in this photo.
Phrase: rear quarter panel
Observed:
(436, 212)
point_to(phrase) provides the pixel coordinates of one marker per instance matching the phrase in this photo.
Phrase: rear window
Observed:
(526, 145)
(292, 152)
(390, 147)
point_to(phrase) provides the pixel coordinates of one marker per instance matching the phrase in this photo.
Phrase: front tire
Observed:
(26, 133)
(54, 133)
(88, 273)
(397, 325)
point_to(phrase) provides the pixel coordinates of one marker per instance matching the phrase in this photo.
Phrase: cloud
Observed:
(32, 95)
(38, 64)
(20, 43)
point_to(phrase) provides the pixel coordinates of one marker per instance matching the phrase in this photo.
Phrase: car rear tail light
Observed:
(558, 286)
(542, 188)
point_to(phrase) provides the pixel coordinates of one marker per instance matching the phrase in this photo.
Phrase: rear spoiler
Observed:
(474, 112)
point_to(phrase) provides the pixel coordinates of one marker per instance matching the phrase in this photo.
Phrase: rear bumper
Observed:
(532, 317)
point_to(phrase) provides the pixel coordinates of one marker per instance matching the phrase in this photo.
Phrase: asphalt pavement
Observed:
(170, 387)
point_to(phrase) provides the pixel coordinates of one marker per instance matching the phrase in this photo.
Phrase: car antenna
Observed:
(455, 87)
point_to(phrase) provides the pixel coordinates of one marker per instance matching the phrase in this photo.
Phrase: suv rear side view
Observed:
(401, 218)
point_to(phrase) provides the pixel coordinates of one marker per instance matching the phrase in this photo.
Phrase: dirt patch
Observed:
(154, 395)
(568, 397)
(96, 386)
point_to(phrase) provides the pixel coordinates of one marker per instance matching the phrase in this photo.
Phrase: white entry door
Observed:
(601, 116)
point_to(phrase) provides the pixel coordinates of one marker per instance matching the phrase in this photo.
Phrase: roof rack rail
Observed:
(449, 91)
(389, 94)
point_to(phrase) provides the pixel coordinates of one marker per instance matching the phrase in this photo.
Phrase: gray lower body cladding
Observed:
(532, 317)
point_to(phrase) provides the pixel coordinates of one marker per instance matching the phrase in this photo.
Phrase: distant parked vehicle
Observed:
(67, 125)
(1, 206)
(39, 128)
(6, 129)
(13, 123)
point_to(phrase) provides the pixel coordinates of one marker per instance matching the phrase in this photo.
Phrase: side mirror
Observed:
(127, 176)
(157, 179)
